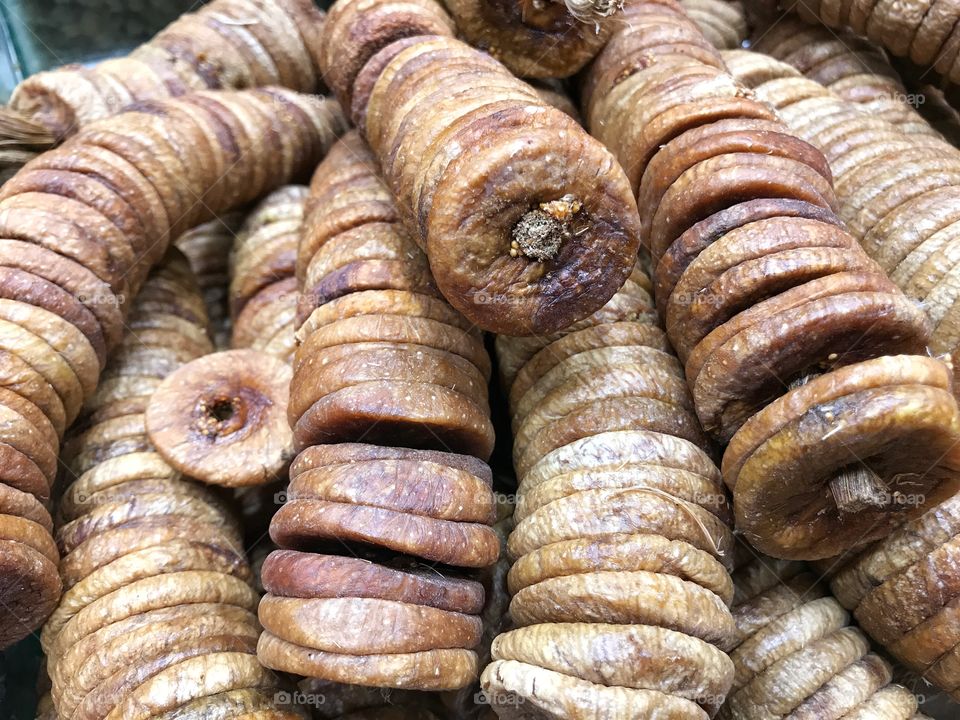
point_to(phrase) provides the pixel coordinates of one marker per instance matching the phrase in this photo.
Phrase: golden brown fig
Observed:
(514, 687)
(848, 418)
(632, 656)
(223, 418)
(446, 669)
(619, 552)
(289, 573)
(326, 624)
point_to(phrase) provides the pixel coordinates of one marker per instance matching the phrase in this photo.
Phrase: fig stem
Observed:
(858, 488)
(587, 10)
(539, 234)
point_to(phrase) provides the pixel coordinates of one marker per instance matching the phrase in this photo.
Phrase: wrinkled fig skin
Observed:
(276, 44)
(158, 610)
(761, 286)
(528, 223)
(796, 656)
(516, 33)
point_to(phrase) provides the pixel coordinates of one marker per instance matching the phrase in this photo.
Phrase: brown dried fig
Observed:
(223, 419)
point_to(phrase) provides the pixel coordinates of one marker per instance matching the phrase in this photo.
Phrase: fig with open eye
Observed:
(223, 418)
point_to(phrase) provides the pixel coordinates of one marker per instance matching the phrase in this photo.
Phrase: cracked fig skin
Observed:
(223, 418)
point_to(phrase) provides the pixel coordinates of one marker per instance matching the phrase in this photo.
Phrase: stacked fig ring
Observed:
(797, 656)
(80, 227)
(417, 508)
(227, 44)
(622, 546)
(847, 65)
(207, 248)
(157, 613)
(263, 288)
(898, 193)
(527, 222)
(381, 357)
(791, 337)
(925, 31)
(904, 593)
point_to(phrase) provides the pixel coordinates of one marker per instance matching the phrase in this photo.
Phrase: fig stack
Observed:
(227, 44)
(158, 610)
(897, 192)
(925, 32)
(622, 545)
(207, 248)
(262, 283)
(797, 656)
(904, 593)
(798, 349)
(527, 222)
(377, 539)
(850, 67)
(82, 225)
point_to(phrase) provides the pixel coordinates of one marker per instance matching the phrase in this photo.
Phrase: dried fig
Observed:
(306, 575)
(618, 552)
(626, 597)
(515, 687)
(307, 523)
(855, 399)
(630, 656)
(223, 418)
(326, 624)
(445, 669)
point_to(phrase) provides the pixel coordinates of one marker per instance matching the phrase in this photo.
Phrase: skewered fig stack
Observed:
(797, 655)
(82, 226)
(527, 222)
(904, 593)
(776, 312)
(924, 32)
(228, 44)
(849, 66)
(382, 356)
(898, 193)
(207, 248)
(262, 285)
(381, 359)
(157, 613)
(622, 543)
